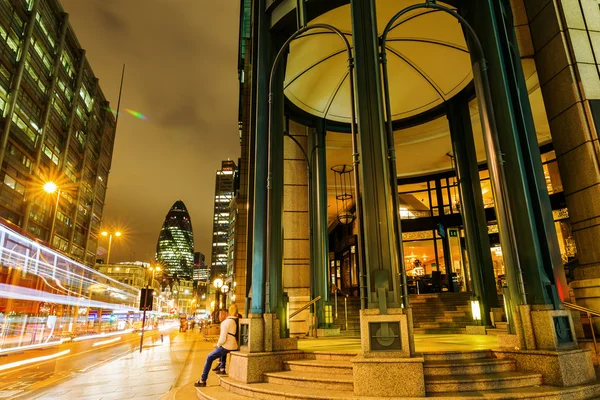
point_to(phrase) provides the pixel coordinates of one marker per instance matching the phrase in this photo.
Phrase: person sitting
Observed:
(227, 342)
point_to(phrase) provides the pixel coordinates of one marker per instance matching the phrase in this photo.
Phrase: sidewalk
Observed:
(160, 368)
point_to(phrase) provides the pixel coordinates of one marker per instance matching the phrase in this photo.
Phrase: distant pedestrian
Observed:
(228, 341)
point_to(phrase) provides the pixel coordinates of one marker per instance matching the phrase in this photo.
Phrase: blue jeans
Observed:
(221, 353)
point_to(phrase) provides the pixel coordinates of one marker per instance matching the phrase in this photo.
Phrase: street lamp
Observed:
(218, 284)
(110, 236)
(51, 187)
(225, 290)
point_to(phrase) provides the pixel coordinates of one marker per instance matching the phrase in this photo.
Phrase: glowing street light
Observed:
(51, 187)
(110, 236)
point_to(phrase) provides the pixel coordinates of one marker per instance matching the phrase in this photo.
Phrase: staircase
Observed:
(353, 304)
(448, 375)
(501, 327)
(441, 313)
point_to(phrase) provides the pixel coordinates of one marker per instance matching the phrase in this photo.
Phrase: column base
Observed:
(388, 377)
(252, 334)
(558, 368)
(386, 336)
(250, 367)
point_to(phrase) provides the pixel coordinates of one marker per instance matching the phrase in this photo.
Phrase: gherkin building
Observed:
(175, 247)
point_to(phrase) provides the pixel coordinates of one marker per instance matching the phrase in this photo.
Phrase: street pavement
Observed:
(112, 372)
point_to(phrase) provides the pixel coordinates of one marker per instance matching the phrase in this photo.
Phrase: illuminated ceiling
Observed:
(428, 62)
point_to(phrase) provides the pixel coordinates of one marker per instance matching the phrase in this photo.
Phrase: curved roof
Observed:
(175, 246)
(428, 62)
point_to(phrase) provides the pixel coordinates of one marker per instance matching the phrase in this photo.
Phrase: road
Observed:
(74, 358)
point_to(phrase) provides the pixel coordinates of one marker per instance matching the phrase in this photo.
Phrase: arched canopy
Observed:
(427, 57)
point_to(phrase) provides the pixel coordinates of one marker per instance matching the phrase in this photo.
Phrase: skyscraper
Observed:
(225, 186)
(56, 125)
(175, 247)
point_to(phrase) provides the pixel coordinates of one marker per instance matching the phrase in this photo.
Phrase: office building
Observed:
(225, 189)
(432, 164)
(56, 127)
(175, 247)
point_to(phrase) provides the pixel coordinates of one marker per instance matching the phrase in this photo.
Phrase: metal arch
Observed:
(490, 130)
(355, 157)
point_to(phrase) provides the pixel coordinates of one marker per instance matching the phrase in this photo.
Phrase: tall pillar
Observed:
(539, 255)
(566, 39)
(259, 211)
(379, 233)
(275, 303)
(321, 231)
(473, 212)
(313, 217)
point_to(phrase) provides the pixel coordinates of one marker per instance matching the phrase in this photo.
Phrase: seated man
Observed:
(227, 342)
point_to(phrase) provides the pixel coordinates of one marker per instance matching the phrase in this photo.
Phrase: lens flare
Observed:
(136, 114)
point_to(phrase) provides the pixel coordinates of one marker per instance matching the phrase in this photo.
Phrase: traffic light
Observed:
(146, 299)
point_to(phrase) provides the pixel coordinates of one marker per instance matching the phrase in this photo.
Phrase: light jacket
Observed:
(228, 332)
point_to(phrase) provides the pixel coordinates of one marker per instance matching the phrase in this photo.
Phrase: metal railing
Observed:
(304, 307)
(590, 314)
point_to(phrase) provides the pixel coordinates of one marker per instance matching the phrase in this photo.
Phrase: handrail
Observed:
(589, 313)
(582, 309)
(304, 307)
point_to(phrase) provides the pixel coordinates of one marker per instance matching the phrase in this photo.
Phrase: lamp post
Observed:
(217, 283)
(153, 269)
(110, 236)
(51, 187)
(224, 290)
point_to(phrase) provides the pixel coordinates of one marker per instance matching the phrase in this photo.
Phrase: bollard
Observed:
(162, 340)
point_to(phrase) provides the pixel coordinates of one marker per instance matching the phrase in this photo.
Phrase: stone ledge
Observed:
(558, 368)
(395, 377)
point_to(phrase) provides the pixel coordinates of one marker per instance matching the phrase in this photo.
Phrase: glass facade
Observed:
(225, 186)
(433, 236)
(175, 247)
(57, 125)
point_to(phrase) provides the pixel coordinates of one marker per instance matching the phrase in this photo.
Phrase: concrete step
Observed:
(467, 367)
(501, 325)
(495, 332)
(457, 355)
(330, 355)
(313, 380)
(440, 331)
(266, 390)
(440, 324)
(336, 367)
(481, 382)
(218, 393)
(233, 390)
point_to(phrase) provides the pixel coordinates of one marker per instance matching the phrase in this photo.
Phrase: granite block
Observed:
(509, 341)
(476, 330)
(255, 334)
(395, 377)
(250, 367)
(328, 332)
(369, 316)
(546, 337)
(558, 368)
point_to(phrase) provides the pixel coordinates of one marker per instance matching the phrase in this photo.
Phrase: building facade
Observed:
(225, 189)
(56, 126)
(175, 247)
(557, 72)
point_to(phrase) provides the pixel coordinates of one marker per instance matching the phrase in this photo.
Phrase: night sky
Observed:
(181, 72)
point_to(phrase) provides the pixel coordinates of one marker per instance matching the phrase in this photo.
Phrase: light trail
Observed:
(106, 341)
(102, 335)
(31, 346)
(33, 360)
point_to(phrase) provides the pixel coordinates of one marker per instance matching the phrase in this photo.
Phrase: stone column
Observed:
(473, 212)
(259, 203)
(566, 40)
(538, 252)
(378, 224)
(320, 229)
